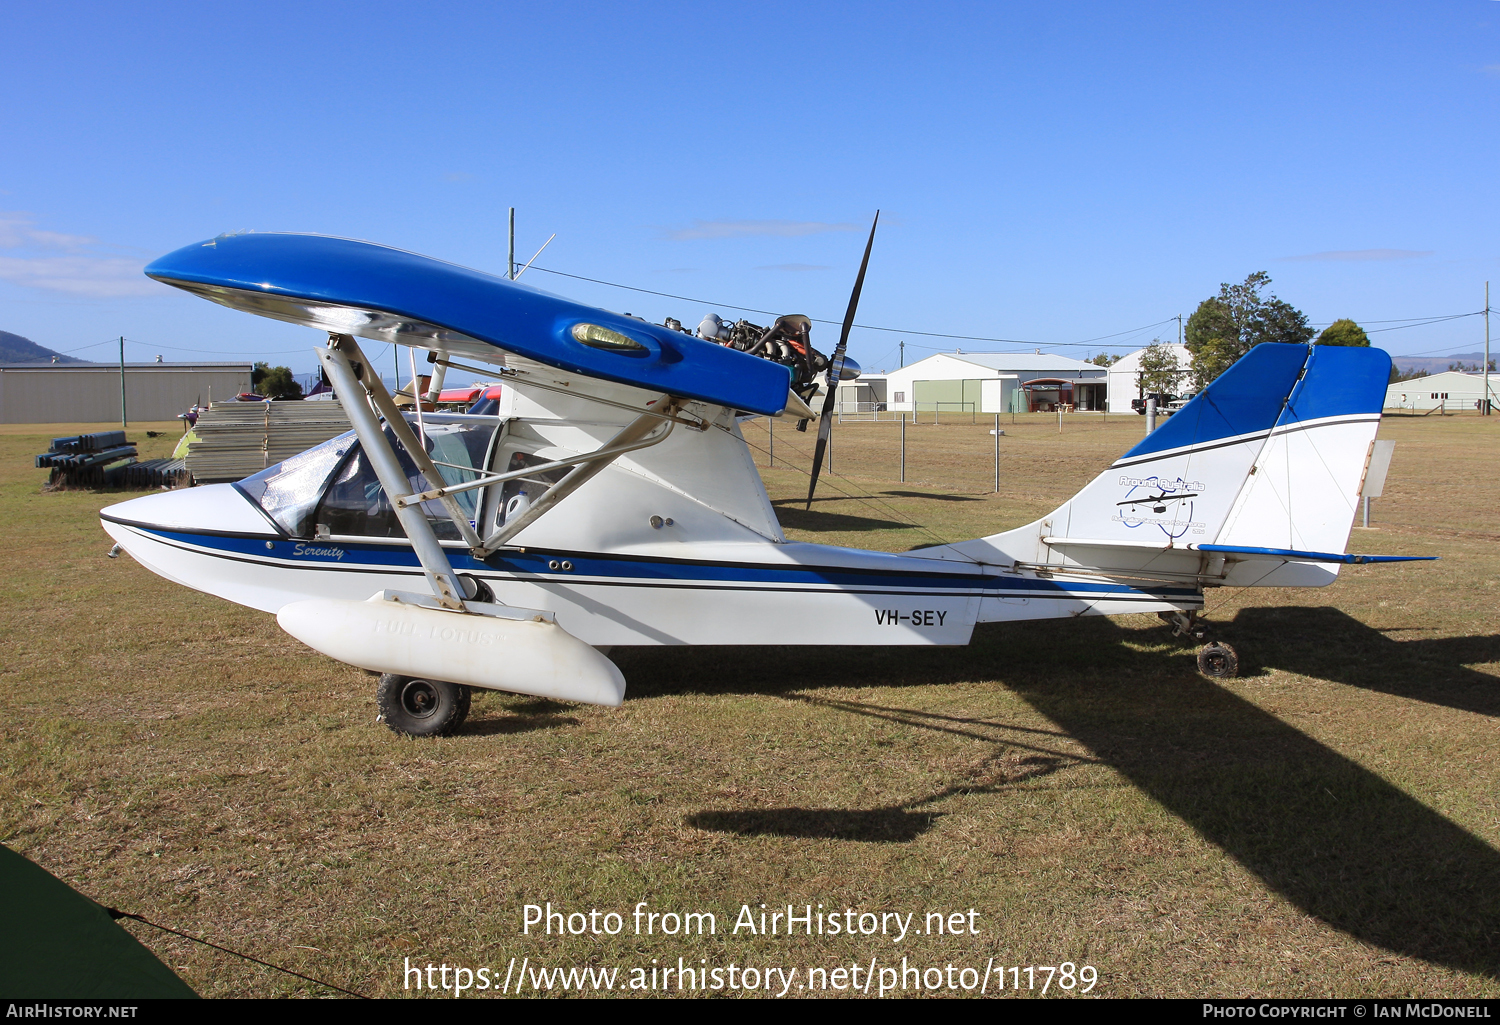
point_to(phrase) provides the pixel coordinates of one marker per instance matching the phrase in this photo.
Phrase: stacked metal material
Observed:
(88, 460)
(156, 473)
(236, 439)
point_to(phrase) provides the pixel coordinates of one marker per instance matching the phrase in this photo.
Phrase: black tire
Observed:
(481, 590)
(1219, 661)
(418, 707)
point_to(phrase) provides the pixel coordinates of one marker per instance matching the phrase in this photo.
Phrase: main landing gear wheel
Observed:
(1218, 660)
(416, 707)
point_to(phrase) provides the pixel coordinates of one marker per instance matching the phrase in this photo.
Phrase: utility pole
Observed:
(1179, 329)
(510, 264)
(1486, 348)
(123, 422)
(903, 354)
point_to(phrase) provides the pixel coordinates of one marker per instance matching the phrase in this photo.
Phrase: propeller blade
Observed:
(836, 368)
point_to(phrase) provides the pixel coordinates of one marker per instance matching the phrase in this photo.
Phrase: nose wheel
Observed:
(416, 707)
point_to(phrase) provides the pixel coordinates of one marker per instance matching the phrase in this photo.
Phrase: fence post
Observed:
(997, 453)
(903, 444)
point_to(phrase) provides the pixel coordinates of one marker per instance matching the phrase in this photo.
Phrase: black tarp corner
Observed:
(56, 943)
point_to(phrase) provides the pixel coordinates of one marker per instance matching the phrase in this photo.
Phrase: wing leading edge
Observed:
(389, 295)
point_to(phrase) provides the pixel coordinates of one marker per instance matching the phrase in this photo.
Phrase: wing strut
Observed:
(352, 387)
(636, 434)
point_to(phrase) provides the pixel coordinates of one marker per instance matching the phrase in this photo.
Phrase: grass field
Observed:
(1327, 824)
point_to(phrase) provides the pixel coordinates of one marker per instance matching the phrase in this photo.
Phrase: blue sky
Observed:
(1049, 172)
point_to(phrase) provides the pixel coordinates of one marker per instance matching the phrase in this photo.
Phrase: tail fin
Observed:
(1252, 477)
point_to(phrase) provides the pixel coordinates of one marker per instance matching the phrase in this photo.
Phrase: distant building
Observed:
(1452, 391)
(50, 393)
(865, 394)
(995, 382)
(1124, 377)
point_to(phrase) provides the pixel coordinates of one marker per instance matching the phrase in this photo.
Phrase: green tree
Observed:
(277, 383)
(1343, 332)
(1158, 373)
(1230, 324)
(1104, 359)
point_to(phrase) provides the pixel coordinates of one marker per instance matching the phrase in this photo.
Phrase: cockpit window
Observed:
(334, 487)
(356, 503)
(520, 493)
(289, 491)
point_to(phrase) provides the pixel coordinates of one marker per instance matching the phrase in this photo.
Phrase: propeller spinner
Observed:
(836, 365)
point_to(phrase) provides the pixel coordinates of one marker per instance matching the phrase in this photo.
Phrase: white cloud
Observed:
(1354, 255)
(746, 229)
(16, 232)
(110, 276)
(66, 263)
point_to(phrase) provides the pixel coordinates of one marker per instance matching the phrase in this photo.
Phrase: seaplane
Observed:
(608, 497)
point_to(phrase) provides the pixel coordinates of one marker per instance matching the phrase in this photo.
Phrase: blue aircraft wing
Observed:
(389, 295)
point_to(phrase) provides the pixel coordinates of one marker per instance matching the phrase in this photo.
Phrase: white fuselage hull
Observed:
(737, 593)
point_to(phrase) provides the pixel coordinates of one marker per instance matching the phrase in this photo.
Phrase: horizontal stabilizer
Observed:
(1296, 556)
(1279, 553)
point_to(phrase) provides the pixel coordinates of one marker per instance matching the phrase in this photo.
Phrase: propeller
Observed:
(836, 369)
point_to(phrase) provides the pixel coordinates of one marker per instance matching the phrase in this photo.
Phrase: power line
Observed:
(95, 345)
(1424, 323)
(222, 352)
(1401, 324)
(865, 327)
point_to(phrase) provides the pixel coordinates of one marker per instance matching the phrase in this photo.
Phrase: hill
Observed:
(1437, 364)
(15, 349)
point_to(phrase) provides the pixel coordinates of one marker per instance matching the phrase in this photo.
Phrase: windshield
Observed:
(332, 488)
(290, 490)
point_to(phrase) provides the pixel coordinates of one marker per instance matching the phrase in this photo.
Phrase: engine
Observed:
(787, 342)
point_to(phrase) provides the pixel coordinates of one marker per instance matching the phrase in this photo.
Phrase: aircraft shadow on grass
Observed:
(790, 512)
(1328, 835)
(904, 822)
(539, 714)
(1332, 645)
(934, 497)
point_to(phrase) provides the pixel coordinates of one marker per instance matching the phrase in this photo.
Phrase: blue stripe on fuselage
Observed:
(639, 570)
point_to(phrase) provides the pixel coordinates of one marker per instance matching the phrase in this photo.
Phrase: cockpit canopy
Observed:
(332, 490)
